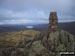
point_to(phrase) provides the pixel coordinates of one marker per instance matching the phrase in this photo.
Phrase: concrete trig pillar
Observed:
(53, 22)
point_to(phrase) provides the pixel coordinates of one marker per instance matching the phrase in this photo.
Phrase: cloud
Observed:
(15, 22)
(35, 10)
(30, 14)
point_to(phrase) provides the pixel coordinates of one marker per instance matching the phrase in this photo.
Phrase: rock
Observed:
(55, 43)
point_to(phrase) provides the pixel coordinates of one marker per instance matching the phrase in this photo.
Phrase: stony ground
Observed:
(42, 44)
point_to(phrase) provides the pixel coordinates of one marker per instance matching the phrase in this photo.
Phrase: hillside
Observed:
(9, 39)
(68, 26)
(49, 44)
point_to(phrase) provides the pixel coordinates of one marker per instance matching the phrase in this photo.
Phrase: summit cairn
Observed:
(53, 21)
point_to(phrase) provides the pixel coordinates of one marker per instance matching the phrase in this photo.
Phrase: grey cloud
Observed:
(36, 9)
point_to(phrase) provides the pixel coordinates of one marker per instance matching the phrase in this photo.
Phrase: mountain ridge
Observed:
(69, 27)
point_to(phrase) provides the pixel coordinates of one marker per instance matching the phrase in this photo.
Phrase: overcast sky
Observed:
(35, 11)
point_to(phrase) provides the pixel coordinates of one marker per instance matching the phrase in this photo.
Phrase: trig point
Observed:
(53, 21)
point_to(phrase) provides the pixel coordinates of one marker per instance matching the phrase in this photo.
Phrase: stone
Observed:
(53, 22)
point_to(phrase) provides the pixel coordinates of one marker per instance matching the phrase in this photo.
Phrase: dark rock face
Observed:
(53, 22)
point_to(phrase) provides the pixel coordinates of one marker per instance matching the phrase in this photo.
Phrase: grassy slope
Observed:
(12, 38)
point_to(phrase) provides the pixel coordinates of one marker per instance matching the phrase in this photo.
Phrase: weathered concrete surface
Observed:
(53, 21)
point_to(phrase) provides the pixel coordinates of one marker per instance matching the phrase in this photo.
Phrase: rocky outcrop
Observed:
(51, 42)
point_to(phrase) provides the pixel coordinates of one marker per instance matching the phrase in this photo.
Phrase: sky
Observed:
(35, 11)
